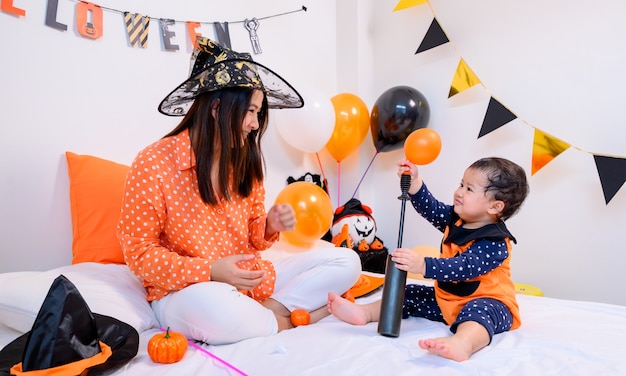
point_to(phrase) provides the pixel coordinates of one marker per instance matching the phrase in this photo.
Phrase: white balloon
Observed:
(308, 128)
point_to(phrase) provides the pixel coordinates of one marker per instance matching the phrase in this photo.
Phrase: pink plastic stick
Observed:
(206, 352)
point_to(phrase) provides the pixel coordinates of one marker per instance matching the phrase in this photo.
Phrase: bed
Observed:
(557, 337)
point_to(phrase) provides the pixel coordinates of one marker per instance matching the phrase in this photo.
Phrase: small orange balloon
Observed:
(313, 211)
(422, 146)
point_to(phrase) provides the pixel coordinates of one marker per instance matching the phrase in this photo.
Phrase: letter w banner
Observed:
(137, 27)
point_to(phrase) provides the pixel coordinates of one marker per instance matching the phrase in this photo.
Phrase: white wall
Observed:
(559, 66)
(555, 65)
(62, 92)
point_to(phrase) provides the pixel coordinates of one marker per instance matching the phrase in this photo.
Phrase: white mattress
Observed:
(557, 337)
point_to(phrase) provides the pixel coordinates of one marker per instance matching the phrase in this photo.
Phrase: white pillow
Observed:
(109, 289)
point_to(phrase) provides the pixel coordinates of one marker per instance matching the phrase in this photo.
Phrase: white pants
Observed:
(216, 313)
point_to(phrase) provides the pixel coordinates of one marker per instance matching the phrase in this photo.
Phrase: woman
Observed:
(193, 222)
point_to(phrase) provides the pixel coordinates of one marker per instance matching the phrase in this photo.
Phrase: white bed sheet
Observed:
(557, 337)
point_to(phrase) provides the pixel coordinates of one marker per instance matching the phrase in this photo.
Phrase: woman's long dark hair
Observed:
(223, 134)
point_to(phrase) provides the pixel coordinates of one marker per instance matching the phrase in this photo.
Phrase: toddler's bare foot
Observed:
(447, 347)
(345, 310)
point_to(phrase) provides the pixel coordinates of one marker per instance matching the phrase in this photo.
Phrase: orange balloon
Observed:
(313, 210)
(352, 121)
(422, 146)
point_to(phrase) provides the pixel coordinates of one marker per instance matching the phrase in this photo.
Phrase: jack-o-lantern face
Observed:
(89, 29)
(360, 227)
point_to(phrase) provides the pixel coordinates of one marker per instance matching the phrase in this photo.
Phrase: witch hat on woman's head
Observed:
(67, 338)
(216, 67)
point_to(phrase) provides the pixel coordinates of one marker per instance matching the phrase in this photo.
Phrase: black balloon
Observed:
(396, 113)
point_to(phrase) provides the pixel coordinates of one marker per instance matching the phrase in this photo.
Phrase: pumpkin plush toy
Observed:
(354, 227)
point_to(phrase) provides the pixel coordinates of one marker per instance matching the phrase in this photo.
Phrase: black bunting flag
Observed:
(434, 37)
(612, 172)
(496, 116)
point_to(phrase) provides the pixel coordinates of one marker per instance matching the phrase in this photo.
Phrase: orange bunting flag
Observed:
(463, 79)
(405, 4)
(137, 29)
(545, 149)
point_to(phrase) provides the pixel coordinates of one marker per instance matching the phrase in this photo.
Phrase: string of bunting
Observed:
(89, 24)
(611, 169)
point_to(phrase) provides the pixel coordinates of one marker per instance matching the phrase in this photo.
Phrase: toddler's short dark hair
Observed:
(506, 182)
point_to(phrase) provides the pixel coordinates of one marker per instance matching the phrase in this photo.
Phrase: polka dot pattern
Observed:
(490, 313)
(420, 301)
(480, 258)
(170, 236)
(435, 212)
(478, 269)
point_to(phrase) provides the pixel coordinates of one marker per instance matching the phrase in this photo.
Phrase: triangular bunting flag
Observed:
(496, 116)
(612, 172)
(435, 37)
(545, 149)
(404, 4)
(463, 79)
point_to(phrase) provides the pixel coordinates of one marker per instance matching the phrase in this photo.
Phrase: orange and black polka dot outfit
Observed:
(472, 275)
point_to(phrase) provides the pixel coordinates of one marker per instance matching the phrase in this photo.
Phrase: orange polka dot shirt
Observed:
(170, 236)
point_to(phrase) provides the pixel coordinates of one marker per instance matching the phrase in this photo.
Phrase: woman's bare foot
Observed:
(447, 347)
(346, 311)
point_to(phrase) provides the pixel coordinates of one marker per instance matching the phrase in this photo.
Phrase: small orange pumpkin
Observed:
(167, 348)
(300, 317)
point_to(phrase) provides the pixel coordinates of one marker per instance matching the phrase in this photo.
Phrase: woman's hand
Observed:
(226, 270)
(280, 217)
(409, 260)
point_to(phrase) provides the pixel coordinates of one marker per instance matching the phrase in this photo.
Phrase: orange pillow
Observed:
(96, 190)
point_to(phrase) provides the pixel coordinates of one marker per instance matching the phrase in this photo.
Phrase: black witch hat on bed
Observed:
(68, 339)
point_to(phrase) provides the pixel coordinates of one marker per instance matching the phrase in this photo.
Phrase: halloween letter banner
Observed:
(89, 24)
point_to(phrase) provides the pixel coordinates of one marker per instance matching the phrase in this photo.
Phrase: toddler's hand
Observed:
(406, 167)
(409, 260)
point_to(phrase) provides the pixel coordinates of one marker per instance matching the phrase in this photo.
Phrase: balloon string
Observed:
(324, 181)
(321, 167)
(338, 183)
(363, 177)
